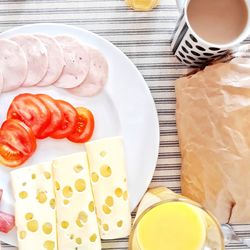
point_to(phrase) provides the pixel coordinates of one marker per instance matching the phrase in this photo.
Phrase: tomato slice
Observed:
(69, 120)
(85, 126)
(17, 131)
(56, 115)
(17, 143)
(30, 110)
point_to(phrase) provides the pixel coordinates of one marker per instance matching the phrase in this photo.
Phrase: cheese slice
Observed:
(77, 226)
(109, 184)
(35, 215)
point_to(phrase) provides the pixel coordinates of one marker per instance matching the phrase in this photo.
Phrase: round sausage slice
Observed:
(56, 59)
(1, 88)
(13, 65)
(96, 78)
(37, 58)
(77, 62)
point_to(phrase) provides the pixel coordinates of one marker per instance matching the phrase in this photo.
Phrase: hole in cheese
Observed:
(32, 225)
(22, 235)
(99, 221)
(65, 202)
(23, 194)
(94, 177)
(67, 191)
(119, 223)
(105, 171)
(93, 238)
(24, 184)
(83, 216)
(29, 216)
(125, 195)
(41, 196)
(57, 185)
(47, 228)
(79, 223)
(47, 175)
(78, 241)
(91, 206)
(64, 224)
(106, 209)
(103, 153)
(78, 168)
(105, 227)
(52, 203)
(80, 185)
(33, 176)
(49, 245)
(109, 201)
(118, 192)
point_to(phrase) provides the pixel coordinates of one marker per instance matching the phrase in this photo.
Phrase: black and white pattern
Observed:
(145, 38)
(189, 49)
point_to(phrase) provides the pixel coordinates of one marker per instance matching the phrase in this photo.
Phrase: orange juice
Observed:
(168, 221)
(142, 5)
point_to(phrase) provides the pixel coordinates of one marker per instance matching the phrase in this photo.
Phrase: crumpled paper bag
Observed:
(213, 122)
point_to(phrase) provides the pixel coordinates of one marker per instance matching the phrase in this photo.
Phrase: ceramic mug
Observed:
(194, 51)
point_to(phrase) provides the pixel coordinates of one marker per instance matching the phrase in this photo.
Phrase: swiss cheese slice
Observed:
(109, 184)
(35, 215)
(77, 226)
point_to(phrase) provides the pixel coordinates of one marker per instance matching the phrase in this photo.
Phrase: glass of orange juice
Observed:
(176, 223)
(142, 5)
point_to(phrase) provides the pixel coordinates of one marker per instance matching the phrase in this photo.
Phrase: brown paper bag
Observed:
(213, 122)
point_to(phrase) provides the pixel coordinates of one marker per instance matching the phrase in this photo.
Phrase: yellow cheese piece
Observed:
(109, 184)
(77, 226)
(35, 215)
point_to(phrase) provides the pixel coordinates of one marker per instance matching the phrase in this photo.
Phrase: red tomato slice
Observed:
(56, 115)
(69, 120)
(85, 126)
(16, 131)
(30, 110)
(17, 143)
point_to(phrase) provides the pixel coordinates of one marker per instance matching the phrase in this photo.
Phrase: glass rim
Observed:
(177, 199)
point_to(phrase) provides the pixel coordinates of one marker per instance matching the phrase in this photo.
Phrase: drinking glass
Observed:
(213, 237)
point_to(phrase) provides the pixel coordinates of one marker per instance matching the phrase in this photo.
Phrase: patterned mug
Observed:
(194, 51)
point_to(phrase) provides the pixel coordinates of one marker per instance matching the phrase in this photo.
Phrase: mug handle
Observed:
(180, 4)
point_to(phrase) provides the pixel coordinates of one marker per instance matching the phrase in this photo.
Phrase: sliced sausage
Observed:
(37, 58)
(1, 88)
(56, 59)
(13, 65)
(77, 62)
(97, 76)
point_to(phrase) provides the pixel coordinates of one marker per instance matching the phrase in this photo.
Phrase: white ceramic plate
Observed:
(125, 108)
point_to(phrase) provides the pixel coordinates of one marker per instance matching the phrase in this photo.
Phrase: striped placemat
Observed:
(145, 38)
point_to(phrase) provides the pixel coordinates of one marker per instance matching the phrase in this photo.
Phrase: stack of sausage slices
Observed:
(40, 60)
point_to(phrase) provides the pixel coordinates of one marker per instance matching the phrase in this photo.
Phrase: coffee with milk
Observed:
(218, 21)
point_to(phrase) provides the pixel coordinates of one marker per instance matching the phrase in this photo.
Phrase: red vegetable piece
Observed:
(7, 222)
